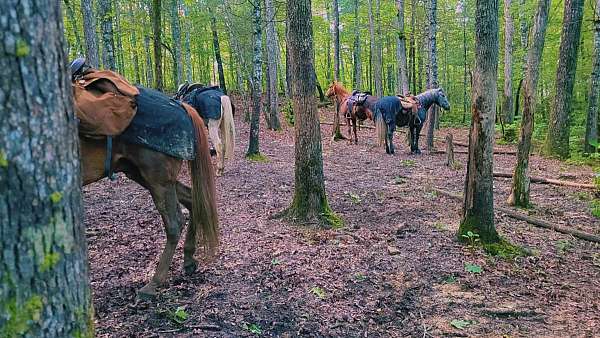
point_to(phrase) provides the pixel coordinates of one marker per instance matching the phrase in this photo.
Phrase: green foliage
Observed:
(563, 246)
(450, 279)
(179, 316)
(510, 134)
(331, 218)
(252, 328)
(471, 238)
(275, 261)
(259, 158)
(3, 159)
(359, 277)
(461, 323)
(23, 49)
(317, 291)
(504, 249)
(596, 208)
(20, 317)
(50, 261)
(56, 197)
(473, 268)
(288, 112)
(408, 163)
(354, 198)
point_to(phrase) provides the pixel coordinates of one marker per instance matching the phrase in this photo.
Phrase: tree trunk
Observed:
(356, 51)
(156, 31)
(134, 46)
(413, 65)
(309, 204)
(256, 81)
(119, 42)
(478, 208)
(176, 36)
(402, 77)
(520, 187)
(337, 134)
(375, 52)
(75, 26)
(433, 68)
(187, 47)
(507, 105)
(108, 43)
(44, 288)
(591, 130)
(465, 98)
(557, 139)
(89, 33)
(149, 72)
(449, 151)
(213, 27)
(328, 44)
(272, 52)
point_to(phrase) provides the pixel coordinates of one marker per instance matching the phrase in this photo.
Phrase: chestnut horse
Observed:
(350, 109)
(158, 173)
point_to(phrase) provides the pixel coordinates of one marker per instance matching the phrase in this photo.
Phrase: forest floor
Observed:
(395, 269)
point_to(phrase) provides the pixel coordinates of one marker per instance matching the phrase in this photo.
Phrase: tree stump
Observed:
(449, 151)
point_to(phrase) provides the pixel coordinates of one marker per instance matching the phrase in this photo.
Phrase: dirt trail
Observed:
(394, 270)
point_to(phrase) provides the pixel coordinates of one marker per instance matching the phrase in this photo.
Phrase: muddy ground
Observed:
(394, 270)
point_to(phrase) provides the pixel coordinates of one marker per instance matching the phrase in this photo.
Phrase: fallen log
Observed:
(542, 180)
(531, 220)
(464, 151)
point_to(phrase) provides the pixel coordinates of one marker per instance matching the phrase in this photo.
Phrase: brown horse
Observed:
(357, 112)
(158, 173)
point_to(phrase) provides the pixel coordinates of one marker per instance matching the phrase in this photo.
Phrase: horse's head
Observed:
(331, 90)
(336, 89)
(442, 100)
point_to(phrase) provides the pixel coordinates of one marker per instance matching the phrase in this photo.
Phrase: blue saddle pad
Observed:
(207, 101)
(161, 124)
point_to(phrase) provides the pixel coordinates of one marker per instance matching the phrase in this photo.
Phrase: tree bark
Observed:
(507, 105)
(433, 68)
(187, 47)
(465, 97)
(256, 80)
(117, 37)
(89, 33)
(591, 130)
(402, 77)
(559, 128)
(156, 31)
(75, 27)
(149, 72)
(478, 207)
(176, 36)
(356, 52)
(449, 151)
(217, 48)
(413, 65)
(272, 52)
(519, 194)
(44, 288)
(309, 204)
(108, 43)
(134, 46)
(337, 134)
(375, 51)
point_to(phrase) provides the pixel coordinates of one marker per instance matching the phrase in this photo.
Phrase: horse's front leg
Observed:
(165, 199)
(349, 126)
(417, 132)
(354, 122)
(390, 139)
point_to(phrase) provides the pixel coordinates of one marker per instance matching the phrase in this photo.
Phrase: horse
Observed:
(158, 172)
(390, 112)
(352, 107)
(216, 108)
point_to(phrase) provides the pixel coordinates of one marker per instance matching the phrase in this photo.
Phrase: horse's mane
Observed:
(339, 89)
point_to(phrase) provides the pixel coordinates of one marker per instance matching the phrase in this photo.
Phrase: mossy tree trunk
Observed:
(478, 208)
(105, 13)
(256, 80)
(557, 139)
(509, 30)
(44, 283)
(520, 188)
(591, 130)
(272, 66)
(176, 36)
(89, 33)
(156, 31)
(309, 204)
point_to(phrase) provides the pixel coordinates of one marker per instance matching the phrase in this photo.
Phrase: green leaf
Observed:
(450, 279)
(180, 315)
(3, 159)
(354, 198)
(317, 291)
(55, 197)
(275, 261)
(473, 268)
(253, 328)
(461, 323)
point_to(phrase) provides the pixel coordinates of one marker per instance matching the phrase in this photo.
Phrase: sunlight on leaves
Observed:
(473, 268)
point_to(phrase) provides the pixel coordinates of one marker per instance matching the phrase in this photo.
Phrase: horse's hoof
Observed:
(190, 267)
(148, 292)
(418, 152)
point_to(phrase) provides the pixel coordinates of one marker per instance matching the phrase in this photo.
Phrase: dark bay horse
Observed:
(158, 172)
(350, 108)
(389, 113)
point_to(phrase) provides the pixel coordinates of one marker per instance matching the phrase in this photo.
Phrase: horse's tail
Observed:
(380, 127)
(204, 205)
(227, 126)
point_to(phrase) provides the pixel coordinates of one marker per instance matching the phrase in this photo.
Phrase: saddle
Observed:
(104, 103)
(410, 104)
(356, 98)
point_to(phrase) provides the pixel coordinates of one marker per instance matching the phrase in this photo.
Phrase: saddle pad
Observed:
(207, 101)
(161, 124)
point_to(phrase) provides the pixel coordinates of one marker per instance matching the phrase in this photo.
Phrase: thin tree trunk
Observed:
(156, 31)
(402, 77)
(520, 187)
(108, 44)
(328, 44)
(176, 36)
(591, 130)
(337, 134)
(507, 105)
(413, 64)
(375, 54)
(309, 204)
(74, 26)
(215, 35)
(256, 80)
(134, 46)
(118, 40)
(149, 72)
(465, 98)
(433, 76)
(356, 51)
(187, 47)
(44, 288)
(559, 128)
(478, 208)
(89, 33)
(272, 51)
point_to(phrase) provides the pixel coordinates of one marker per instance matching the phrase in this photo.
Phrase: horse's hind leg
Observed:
(190, 264)
(165, 199)
(354, 122)
(416, 138)
(390, 139)
(213, 133)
